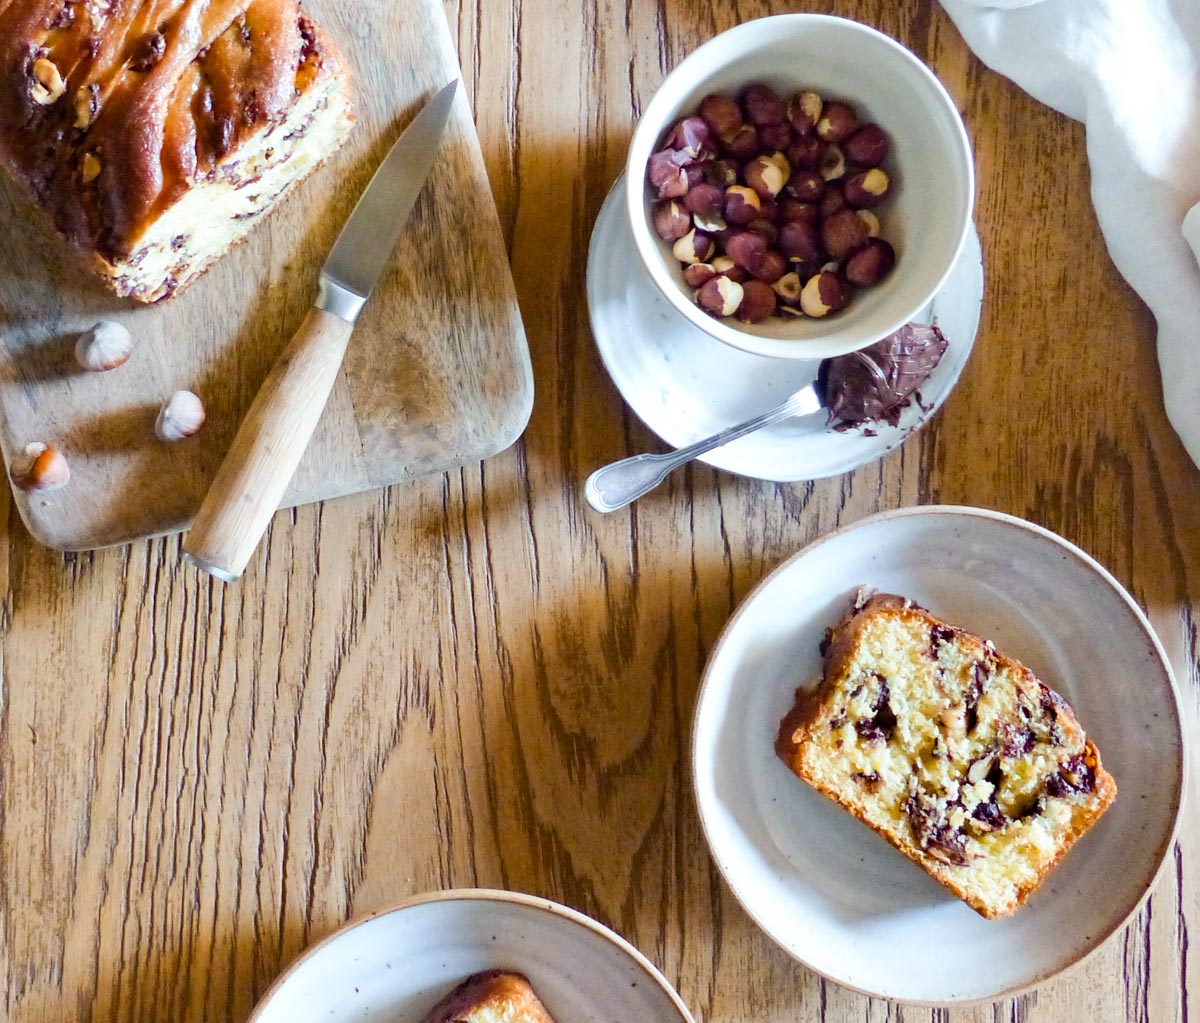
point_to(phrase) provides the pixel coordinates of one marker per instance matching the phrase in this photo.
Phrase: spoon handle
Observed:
(623, 482)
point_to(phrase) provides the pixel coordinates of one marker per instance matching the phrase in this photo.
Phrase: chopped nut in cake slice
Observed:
(959, 756)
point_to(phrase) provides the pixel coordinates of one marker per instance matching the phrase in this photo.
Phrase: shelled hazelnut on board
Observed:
(105, 346)
(40, 468)
(181, 416)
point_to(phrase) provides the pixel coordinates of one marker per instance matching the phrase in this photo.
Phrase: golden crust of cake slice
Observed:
(494, 996)
(956, 754)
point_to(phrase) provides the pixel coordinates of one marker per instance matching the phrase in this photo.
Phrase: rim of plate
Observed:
(548, 906)
(1089, 562)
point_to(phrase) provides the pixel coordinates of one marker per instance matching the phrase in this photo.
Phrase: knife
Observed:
(262, 461)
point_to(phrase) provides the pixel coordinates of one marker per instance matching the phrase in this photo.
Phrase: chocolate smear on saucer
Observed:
(876, 384)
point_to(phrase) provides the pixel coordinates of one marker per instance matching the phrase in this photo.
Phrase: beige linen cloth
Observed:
(1130, 70)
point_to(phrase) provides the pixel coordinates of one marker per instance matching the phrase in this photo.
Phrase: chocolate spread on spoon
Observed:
(877, 383)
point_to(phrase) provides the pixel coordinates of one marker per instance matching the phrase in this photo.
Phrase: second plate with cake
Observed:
(835, 895)
(472, 954)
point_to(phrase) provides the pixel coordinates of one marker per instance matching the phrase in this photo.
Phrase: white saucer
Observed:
(838, 897)
(685, 385)
(394, 967)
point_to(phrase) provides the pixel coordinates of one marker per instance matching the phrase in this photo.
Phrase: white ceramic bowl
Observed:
(834, 894)
(396, 965)
(927, 218)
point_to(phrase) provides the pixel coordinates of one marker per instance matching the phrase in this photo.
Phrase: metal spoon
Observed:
(625, 481)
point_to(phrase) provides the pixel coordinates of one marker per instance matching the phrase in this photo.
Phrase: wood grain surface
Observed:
(472, 680)
(437, 373)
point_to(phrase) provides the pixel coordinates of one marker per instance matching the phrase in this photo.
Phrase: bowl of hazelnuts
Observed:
(806, 186)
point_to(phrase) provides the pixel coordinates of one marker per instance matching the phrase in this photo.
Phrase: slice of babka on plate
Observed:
(956, 754)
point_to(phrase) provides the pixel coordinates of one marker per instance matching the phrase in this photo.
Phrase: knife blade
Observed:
(250, 483)
(366, 242)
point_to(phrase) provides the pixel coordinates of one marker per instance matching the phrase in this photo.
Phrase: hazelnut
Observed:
(870, 264)
(87, 105)
(978, 771)
(720, 296)
(693, 247)
(843, 234)
(870, 222)
(747, 249)
(837, 122)
(722, 115)
(671, 221)
(831, 202)
(744, 143)
(40, 468)
(765, 229)
(699, 274)
(106, 346)
(766, 175)
(726, 267)
(667, 176)
(799, 241)
(763, 105)
(824, 294)
(954, 720)
(794, 209)
(758, 302)
(89, 168)
(806, 185)
(867, 188)
(805, 111)
(691, 138)
(788, 288)
(705, 200)
(806, 153)
(48, 85)
(148, 52)
(775, 136)
(722, 172)
(771, 267)
(833, 164)
(181, 415)
(742, 205)
(867, 147)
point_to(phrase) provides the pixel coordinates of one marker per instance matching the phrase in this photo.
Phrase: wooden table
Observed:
(472, 680)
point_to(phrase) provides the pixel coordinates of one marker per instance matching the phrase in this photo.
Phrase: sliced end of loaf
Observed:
(221, 209)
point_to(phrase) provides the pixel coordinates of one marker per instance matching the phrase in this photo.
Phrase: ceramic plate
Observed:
(396, 966)
(686, 385)
(833, 893)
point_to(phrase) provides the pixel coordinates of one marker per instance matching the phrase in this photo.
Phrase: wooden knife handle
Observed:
(268, 447)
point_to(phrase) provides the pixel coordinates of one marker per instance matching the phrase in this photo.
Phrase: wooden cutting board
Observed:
(437, 374)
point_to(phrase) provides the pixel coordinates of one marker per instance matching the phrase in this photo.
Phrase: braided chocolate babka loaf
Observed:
(156, 133)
